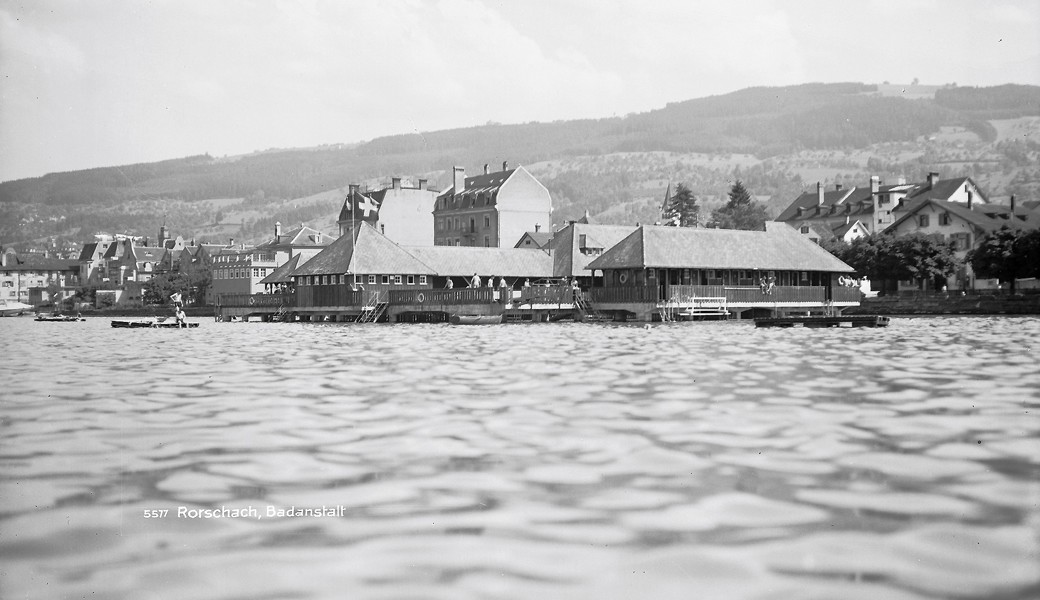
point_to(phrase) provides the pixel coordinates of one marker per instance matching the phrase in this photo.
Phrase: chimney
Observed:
(395, 182)
(317, 238)
(231, 243)
(537, 226)
(459, 179)
(800, 211)
(819, 194)
(1012, 205)
(837, 187)
(933, 178)
(354, 188)
(278, 229)
(846, 219)
(422, 184)
(875, 184)
(487, 168)
(505, 165)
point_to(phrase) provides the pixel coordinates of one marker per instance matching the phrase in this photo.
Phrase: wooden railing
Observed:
(686, 294)
(482, 295)
(846, 294)
(257, 300)
(547, 294)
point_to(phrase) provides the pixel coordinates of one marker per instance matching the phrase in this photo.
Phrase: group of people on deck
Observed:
(767, 285)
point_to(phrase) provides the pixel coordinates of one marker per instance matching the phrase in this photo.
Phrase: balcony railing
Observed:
(256, 300)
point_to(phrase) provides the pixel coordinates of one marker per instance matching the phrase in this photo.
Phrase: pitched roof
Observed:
(301, 236)
(365, 251)
(148, 253)
(540, 238)
(780, 247)
(478, 184)
(810, 200)
(568, 259)
(281, 274)
(463, 261)
(942, 190)
(38, 263)
(987, 217)
(844, 228)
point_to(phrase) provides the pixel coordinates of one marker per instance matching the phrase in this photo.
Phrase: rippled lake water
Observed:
(702, 460)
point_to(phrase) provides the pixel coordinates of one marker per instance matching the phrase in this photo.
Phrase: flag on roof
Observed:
(361, 207)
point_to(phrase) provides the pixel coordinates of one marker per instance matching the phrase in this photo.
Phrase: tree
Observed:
(681, 209)
(740, 212)
(1006, 255)
(883, 258)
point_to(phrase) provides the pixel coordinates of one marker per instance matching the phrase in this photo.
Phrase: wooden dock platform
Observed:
(824, 321)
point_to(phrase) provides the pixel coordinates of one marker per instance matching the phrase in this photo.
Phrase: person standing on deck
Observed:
(475, 281)
(449, 285)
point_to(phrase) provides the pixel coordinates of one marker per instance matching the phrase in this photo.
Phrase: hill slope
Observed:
(775, 130)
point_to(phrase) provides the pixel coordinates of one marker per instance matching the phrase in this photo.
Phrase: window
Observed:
(472, 224)
(487, 241)
(397, 280)
(487, 221)
(411, 280)
(805, 229)
(944, 218)
(652, 273)
(882, 199)
(385, 279)
(422, 280)
(922, 220)
(371, 279)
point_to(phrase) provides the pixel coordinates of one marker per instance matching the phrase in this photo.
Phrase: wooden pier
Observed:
(824, 321)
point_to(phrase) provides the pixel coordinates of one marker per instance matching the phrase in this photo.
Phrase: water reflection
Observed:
(517, 461)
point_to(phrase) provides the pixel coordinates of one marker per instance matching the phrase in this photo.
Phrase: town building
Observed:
(403, 214)
(242, 270)
(876, 206)
(964, 225)
(26, 278)
(491, 210)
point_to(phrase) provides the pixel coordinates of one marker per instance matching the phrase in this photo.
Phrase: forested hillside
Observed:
(778, 140)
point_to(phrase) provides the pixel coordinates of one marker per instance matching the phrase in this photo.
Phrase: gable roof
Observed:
(943, 189)
(281, 274)
(148, 253)
(540, 239)
(987, 217)
(568, 259)
(780, 247)
(365, 250)
(302, 236)
(463, 261)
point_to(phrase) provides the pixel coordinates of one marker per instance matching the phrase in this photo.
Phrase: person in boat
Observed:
(475, 281)
(180, 316)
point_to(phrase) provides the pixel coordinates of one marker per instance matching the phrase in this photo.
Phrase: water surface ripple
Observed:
(709, 460)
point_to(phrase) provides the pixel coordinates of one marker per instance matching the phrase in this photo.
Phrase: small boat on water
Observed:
(824, 321)
(475, 319)
(152, 324)
(11, 308)
(59, 318)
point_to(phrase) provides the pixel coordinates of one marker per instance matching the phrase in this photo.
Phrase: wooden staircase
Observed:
(586, 311)
(371, 314)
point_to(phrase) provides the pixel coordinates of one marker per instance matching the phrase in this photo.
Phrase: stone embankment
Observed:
(952, 303)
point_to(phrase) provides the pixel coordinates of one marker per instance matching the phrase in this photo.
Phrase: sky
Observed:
(110, 82)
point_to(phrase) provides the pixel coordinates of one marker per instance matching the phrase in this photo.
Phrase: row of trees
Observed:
(739, 212)
(884, 258)
(1006, 255)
